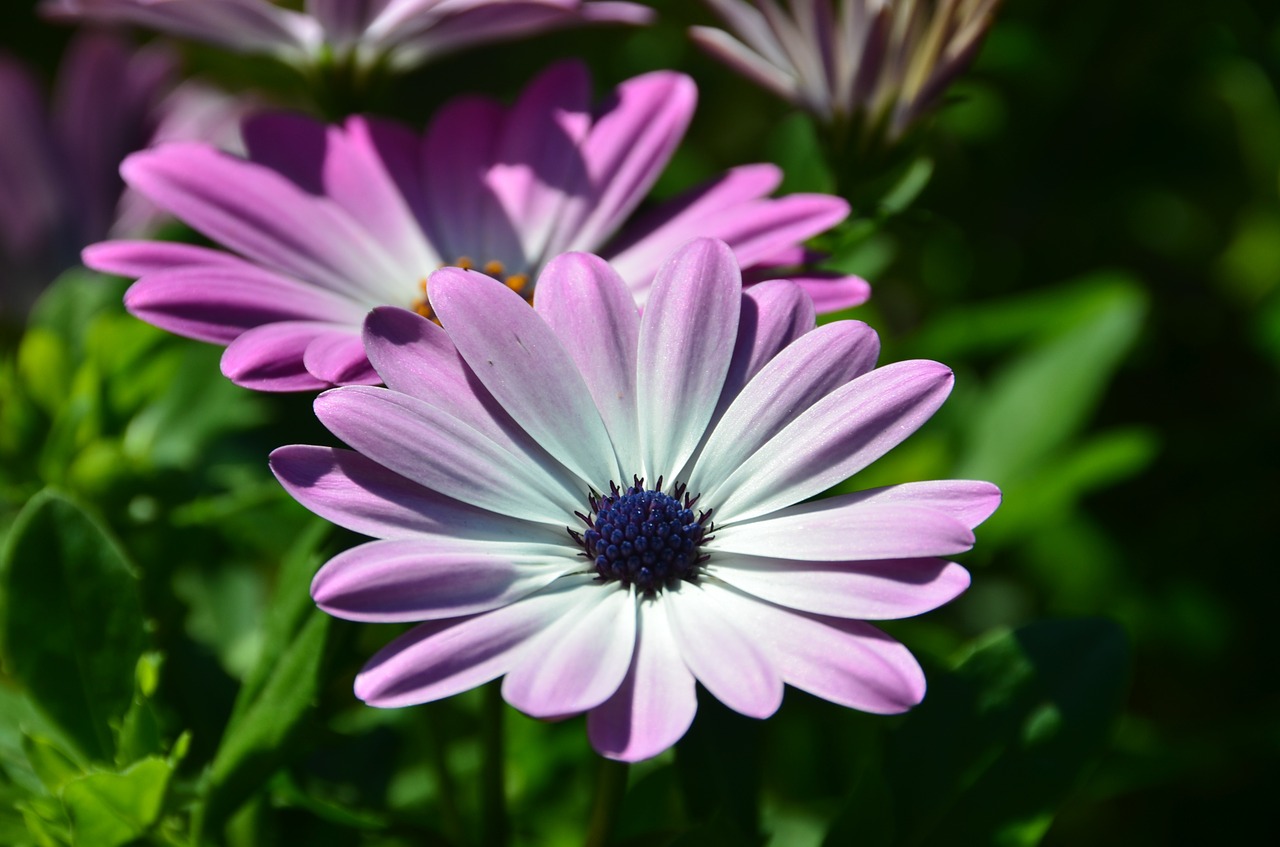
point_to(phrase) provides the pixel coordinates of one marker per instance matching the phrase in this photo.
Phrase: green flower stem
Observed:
(611, 787)
(494, 830)
(450, 817)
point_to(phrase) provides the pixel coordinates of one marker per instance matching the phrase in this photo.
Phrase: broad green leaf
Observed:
(73, 302)
(53, 766)
(44, 366)
(1029, 504)
(1041, 400)
(290, 607)
(904, 192)
(277, 696)
(45, 821)
(263, 738)
(19, 719)
(998, 743)
(1029, 318)
(794, 145)
(74, 639)
(110, 809)
(140, 732)
(13, 829)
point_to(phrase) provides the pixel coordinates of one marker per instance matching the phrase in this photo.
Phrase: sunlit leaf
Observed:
(110, 809)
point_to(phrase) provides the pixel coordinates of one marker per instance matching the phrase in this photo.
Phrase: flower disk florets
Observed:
(644, 537)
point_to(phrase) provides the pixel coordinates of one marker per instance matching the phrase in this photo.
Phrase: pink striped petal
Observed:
(812, 367)
(139, 258)
(656, 702)
(731, 666)
(338, 358)
(358, 177)
(969, 501)
(442, 658)
(774, 314)
(674, 222)
(448, 455)
(357, 493)
(520, 361)
(628, 147)
(422, 579)
(416, 357)
(537, 154)
(836, 437)
(463, 216)
(588, 307)
(262, 215)
(832, 292)
(269, 357)
(836, 529)
(849, 663)
(580, 661)
(682, 363)
(218, 303)
(882, 589)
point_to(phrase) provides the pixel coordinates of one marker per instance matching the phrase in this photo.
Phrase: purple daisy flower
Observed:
(604, 508)
(59, 166)
(403, 33)
(887, 61)
(331, 221)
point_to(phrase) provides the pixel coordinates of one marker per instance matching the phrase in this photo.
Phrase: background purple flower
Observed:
(884, 61)
(59, 165)
(401, 32)
(331, 221)
(678, 450)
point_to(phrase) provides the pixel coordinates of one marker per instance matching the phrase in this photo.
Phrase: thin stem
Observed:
(611, 787)
(493, 789)
(451, 818)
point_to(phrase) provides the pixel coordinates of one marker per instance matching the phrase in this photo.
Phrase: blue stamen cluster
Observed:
(643, 537)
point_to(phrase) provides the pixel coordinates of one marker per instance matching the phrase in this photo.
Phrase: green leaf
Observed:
(53, 766)
(1040, 401)
(795, 146)
(904, 192)
(997, 744)
(264, 737)
(109, 809)
(289, 610)
(278, 695)
(74, 639)
(44, 367)
(140, 731)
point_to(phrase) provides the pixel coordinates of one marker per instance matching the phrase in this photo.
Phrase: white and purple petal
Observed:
(655, 705)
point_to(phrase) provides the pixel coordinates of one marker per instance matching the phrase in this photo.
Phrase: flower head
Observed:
(331, 221)
(59, 166)
(603, 508)
(402, 33)
(884, 61)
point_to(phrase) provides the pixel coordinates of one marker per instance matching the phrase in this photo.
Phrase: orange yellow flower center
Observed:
(518, 283)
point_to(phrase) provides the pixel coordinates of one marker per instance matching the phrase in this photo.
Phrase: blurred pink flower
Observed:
(59, 167)
(332, 221)
(884, 61)
(679, 450)
(403, 32)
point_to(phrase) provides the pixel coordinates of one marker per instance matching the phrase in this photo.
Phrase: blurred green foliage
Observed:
(1088, 233)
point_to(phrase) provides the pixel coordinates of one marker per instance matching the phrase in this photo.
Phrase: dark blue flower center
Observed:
(644, 537)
